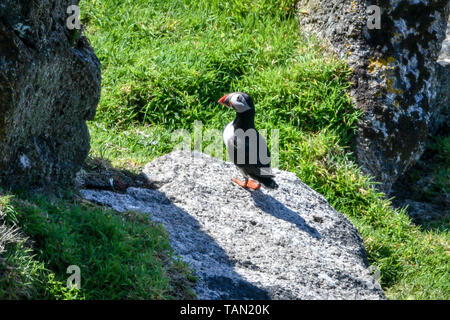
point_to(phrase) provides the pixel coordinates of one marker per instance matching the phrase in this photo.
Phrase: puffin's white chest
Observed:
(228, 133)
(228, 138)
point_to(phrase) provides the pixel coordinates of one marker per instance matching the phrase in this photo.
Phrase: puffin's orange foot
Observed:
(240, 183)
(253, 184)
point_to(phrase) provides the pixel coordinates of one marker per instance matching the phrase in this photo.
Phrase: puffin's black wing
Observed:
(249, 152)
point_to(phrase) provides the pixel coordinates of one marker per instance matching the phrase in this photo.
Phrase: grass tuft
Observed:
(120, 256)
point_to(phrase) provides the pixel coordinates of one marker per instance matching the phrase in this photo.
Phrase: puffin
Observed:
(246, 148)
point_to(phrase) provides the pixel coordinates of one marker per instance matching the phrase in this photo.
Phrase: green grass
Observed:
(21, 275)
(166, 63)
(119, 256)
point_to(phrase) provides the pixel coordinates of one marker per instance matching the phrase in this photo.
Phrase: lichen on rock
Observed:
(394, 78)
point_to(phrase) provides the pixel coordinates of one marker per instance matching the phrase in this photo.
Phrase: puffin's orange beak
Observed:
(222, 100)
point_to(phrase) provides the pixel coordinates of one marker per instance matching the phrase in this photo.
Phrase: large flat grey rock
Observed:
(287, 243)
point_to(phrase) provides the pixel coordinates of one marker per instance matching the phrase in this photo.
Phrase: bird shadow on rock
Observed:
(211, 263)
(272, 206)
(200, 246)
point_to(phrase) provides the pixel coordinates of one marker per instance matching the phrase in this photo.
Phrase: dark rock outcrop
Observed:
(287, 243)
(49, 86)
(394, 77)
(441, 104)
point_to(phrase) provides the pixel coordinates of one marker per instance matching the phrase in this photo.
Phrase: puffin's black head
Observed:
(239, 101)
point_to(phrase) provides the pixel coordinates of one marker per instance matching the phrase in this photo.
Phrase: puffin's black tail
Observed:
(268, 182)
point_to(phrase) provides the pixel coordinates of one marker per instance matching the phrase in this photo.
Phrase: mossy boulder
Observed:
(49, 87)
(394, 73)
